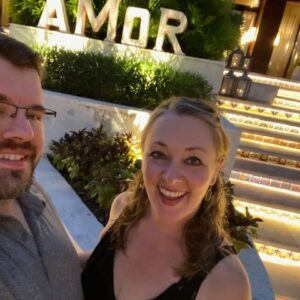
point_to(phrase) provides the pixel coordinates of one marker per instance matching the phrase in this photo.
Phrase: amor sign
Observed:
(54, 14)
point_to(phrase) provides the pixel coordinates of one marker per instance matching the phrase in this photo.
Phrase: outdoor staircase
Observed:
(266, 178)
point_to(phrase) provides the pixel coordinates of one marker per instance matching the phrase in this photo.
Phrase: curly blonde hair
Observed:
(204, 233)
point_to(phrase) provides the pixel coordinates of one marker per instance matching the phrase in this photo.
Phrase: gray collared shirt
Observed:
(42, 266)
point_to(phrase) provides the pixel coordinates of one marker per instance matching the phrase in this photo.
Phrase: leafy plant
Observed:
(97, 165)
(127, 81)
(242, 227)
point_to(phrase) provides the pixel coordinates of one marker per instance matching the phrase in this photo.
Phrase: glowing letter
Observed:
(170, 31)
(54, 8)
(144, 16)
(109, 10)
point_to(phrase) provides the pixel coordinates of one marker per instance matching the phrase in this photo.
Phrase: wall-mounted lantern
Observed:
(242, 86)
(235, 59)
(246, 62)
(228, 84)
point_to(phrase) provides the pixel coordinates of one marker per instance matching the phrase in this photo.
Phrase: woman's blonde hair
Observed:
(204, 233)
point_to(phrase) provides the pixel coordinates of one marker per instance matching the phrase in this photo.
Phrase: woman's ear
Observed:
(218, 166)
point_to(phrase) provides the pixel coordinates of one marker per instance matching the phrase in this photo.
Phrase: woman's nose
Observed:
(172, 173)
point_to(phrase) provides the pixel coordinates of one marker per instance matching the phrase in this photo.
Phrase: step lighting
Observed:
(266, 140)
(262, 211)
(259, 110)
(269, 183)
(277, 255)
(268, 158)
(295, 95)
(283, 84)
(262, 124)
(284, 103)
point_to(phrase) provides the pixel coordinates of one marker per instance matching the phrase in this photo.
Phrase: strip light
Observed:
(278, 255)
(280, 215)
(262, 124)
(268, 158)
(284, 103)
(265, 182)
(280, 143)
(259, 110)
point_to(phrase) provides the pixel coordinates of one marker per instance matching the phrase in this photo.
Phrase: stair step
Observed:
(286, 104)
(257, 125)
(261, 111)
(270, 144)
(267, 195)
(268, 211)
(265, 169)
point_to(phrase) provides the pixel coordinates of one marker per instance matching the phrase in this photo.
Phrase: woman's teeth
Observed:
(170, 194)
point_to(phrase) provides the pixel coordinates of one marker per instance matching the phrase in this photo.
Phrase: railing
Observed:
(4, 13)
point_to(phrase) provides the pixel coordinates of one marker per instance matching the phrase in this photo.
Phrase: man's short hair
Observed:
(18, 54)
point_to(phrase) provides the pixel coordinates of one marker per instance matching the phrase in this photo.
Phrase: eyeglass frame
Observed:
(46, 111)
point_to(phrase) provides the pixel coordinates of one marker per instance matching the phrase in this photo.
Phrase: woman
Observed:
(165, 239)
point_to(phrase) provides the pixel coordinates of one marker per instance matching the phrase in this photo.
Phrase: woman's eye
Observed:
(157, 155)
(193, 161)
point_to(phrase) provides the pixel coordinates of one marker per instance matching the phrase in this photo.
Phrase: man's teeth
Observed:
(170, 194)
(11, 156)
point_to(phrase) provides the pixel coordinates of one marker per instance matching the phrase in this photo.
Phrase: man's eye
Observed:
(35, 115)
(157, 154)
(193, 161)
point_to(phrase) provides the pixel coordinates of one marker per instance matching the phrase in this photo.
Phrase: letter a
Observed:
(52, 8)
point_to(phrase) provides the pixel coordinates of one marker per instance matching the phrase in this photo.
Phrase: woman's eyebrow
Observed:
(196, 148)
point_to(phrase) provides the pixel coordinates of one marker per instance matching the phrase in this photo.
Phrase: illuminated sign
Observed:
(54, 14)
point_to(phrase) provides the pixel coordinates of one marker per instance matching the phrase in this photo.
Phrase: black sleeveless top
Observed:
(98, 282)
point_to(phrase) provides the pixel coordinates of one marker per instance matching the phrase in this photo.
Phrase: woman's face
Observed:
(179, 164)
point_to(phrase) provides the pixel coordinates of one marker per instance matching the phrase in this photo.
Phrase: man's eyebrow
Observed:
(37, 106)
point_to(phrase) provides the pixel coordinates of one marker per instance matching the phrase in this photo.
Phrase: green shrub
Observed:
(124, 81)
(213, 25)
(97, 165)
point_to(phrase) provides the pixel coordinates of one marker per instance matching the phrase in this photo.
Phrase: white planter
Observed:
(211, 70)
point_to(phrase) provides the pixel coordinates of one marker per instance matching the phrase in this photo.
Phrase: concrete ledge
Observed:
(259, 279)
(79, 221)
(260, 92)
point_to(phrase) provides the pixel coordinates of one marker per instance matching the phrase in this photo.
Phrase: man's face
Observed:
(21, 139)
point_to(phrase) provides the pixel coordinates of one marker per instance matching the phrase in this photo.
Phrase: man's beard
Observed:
(14, 183)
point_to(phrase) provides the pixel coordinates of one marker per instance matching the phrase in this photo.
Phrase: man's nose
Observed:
(18, 128)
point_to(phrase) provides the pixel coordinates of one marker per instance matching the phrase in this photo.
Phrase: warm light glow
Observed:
(277, 39)
(249, 36)
(226, 104)
(279, 102)
(294, 95)
(276, 259)
(265, 183)
(249, 122)
(262, 211)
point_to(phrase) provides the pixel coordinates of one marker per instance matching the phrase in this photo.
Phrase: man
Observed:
(37, 259)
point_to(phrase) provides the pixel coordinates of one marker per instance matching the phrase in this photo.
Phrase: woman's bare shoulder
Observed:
(118, 205)
(228, 280)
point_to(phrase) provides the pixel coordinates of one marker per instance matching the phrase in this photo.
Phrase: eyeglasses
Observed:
(36, 115)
